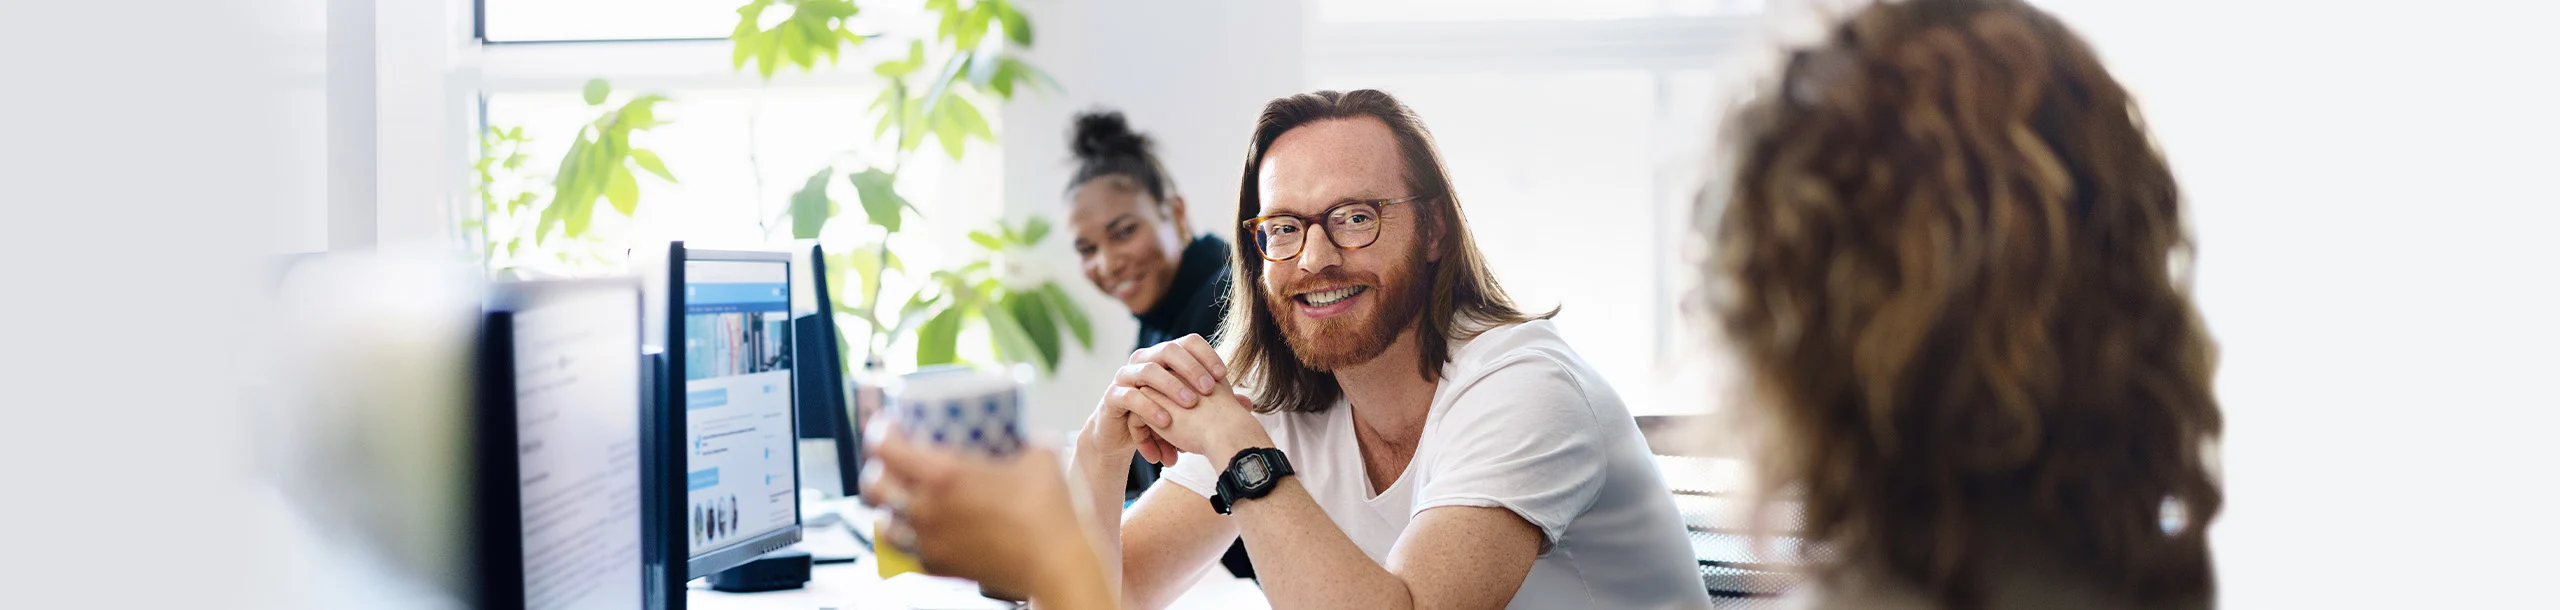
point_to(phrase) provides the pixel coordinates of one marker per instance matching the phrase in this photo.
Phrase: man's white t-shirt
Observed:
(1521, 423)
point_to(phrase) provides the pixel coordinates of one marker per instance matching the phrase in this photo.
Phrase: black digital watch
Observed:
(1252, 474)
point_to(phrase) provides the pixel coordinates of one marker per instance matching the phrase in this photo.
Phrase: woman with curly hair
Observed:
(1951, 261)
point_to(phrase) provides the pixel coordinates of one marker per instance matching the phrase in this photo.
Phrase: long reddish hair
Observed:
(1463, 297)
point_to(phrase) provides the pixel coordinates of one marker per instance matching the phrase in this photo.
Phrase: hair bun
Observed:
(1104, 134)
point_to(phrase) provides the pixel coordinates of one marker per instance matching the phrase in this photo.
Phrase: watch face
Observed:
(1253, 471)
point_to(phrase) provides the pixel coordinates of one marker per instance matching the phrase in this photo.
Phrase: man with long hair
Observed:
(1413, 439)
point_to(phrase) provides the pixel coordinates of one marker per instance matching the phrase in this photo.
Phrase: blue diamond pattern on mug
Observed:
(983, 418)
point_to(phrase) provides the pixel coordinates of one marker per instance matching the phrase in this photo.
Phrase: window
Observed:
(738, 154)
(738, 145)
(573, 20)
(1576, 135)
(1349, 11)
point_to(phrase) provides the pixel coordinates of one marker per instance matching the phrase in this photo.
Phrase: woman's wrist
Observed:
(1069, 573)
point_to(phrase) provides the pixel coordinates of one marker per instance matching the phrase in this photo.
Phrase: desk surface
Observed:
(858, 586)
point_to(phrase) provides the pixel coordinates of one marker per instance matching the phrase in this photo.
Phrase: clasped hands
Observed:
(1175, 397)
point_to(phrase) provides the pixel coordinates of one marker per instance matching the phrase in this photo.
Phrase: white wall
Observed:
(1192, 75)
(2371, 187)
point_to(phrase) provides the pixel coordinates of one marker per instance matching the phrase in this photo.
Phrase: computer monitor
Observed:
(729, 370)
(560, 406)
(831, 448)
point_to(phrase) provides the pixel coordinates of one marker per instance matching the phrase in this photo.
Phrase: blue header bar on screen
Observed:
(726, 297)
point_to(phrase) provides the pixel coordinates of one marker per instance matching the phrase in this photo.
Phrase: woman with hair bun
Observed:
(1134, 241)
(1132, 236)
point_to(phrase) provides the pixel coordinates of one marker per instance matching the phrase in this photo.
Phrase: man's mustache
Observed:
(1332, 276)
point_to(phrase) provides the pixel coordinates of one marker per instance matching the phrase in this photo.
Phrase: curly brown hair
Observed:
(1950, 262)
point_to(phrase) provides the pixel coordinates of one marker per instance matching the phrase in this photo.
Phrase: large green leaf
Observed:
(573, 222)
(1016, 26)
(596, 91)
(954, 120)
(640, 113)
(1012, 343)
(550, 220)
(1010, 72)
(623, 191)
(815, 28)
(1068, 312)
(880, 200)
(938, 340)
(810, 207)
(918, 309)
(648, 160)
(744, 38)
(1032, 312)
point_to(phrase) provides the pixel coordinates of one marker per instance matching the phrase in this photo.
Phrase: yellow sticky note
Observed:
(892, 561)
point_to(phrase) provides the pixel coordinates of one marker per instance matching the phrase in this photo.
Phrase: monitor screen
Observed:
(740, 475)
(573, 358)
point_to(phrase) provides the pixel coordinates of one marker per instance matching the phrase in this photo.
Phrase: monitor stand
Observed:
(784, 568)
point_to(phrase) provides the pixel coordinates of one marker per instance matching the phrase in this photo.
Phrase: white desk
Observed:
(857, 585)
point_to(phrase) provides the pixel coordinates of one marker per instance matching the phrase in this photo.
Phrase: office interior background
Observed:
(2371, 185)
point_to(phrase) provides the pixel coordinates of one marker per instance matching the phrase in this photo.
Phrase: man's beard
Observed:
(1352, 338)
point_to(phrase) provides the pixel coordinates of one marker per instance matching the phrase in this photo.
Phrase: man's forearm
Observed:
(1071, 576)
(1305, 561)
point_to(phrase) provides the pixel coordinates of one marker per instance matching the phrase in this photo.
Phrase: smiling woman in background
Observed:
(1132, 235)
(1134, 240)
(1951, 263)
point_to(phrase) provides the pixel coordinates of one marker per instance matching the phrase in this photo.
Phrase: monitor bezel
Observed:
(500, 510)
(845, 424)
(743, 551)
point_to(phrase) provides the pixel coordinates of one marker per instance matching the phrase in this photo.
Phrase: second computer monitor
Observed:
(731, 359)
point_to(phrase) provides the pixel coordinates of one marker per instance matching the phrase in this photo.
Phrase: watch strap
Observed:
(1231, 488)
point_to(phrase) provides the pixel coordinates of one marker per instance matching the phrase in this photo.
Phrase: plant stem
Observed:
(755, 168)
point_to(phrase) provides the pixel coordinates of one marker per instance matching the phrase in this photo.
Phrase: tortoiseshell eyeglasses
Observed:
(1351, 225)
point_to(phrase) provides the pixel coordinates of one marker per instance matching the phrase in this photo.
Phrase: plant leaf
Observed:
(810, 207)
(1069, 312)
(648, 160)
(1012, 343)
(937, 342)
(1033, 229)
(640, 113)
(948, 130)
(880, 200)
(916, 310)
(623, 191)
(550, 219)
(596, 90)
(986, 241)
(1032, 312)
(1016, 26)
(744, 38)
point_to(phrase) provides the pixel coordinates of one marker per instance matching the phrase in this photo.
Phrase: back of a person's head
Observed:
(1951, 261)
